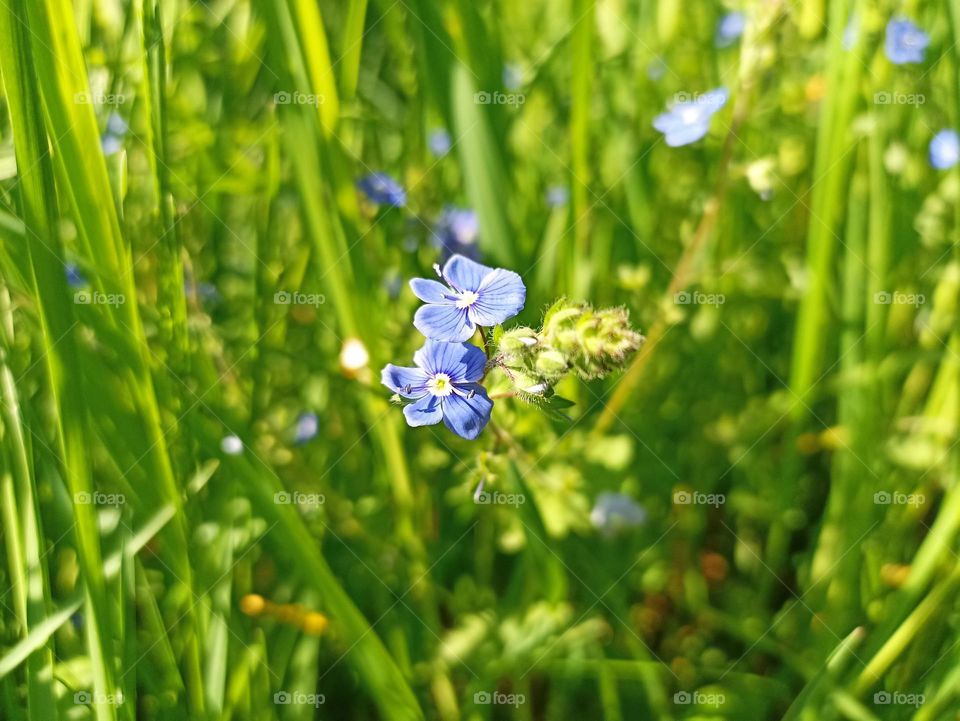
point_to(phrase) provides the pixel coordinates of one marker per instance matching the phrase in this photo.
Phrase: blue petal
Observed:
(687, 134)
(465, 274)
(397, 379)
(425, 412)
(444, 322)
(467, 416)
(430, 291)
(439, 357)
(501, 296)
(474, 361)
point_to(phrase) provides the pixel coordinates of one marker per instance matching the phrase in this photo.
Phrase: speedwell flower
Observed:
(905, 43)
(456, 231)
(474, 295)
(689, 120)
(730, 29)
(945, 149)
(444, 386)
(383, 190)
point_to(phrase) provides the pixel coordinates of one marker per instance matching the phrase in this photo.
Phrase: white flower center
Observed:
(440, 385)
(467, 298)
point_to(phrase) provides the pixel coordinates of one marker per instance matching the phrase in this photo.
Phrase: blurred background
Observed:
(209, 212)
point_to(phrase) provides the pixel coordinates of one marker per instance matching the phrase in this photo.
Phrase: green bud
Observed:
(551, 363)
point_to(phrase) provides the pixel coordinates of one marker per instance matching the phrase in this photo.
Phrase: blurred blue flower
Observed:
(444, 386)
(557, 196)
(851, 33)
(906, 43)
(381, 189)
(307, 427)
(730, 28)
(945, 149)
(112, 140)
(512, 76)
(439, 142)
(688, 120)
(456, 231)
(614, 513)
(656, 69)
(474, 295)
(75, 278)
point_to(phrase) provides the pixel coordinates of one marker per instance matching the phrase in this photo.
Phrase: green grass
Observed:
(137, 548)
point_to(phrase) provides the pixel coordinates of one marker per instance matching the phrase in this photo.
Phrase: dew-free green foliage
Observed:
(187, 267)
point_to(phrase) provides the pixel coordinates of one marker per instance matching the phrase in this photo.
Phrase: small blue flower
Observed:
(112, 140)
(614, 513)
(75, 278)
(689, 120)
(730, 28)
(656, 69)
(307, 427)
(557, 196)
(439, 142)
(945, 150)
(474, 295)
(456, 231)
(512, 76)
(117, 125)
(906, 43)
(444, 386)
(383, 190)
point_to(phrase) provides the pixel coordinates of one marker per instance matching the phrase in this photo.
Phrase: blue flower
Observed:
(689, 120)
(456, 231)
(945, 149)
(906, 43)
(306, 428)
(112, 140)
(474, 295)
(614, 513)
(439, 142)
(75, 278)
(444, 386)
(383, 190)
(512, 76)
(557, 196)
(730, 29)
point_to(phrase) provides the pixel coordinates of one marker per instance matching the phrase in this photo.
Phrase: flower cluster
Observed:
(445, 384)
(575, 339)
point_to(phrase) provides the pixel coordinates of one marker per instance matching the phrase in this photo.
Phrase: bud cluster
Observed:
(575, 339)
